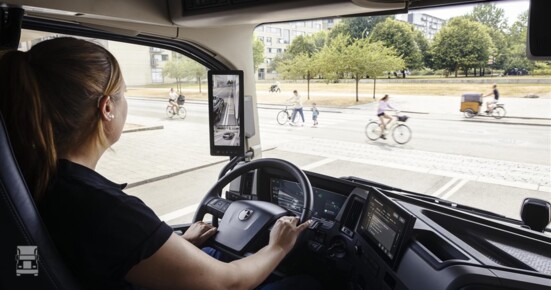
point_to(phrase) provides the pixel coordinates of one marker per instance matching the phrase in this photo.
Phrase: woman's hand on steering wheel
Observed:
(199, 232)
(286, 231)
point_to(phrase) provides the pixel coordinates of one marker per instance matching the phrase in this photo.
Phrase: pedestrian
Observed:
(297, 107)
(315, 113)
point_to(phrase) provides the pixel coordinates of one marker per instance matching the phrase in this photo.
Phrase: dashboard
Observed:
(366, 236)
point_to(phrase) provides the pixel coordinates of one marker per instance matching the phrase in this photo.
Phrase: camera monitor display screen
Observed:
(386, 226)
(226, 112)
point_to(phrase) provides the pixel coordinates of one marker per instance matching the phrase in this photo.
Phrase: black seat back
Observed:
(21, 225)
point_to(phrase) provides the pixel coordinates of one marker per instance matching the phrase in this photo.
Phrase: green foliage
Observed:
(180, 67)
(542, 68)
(307, 44)
(258, 52)
(461, 43)
(400, 36)
(490, 15)
(515, 56)
(357, 60)
(356, 27)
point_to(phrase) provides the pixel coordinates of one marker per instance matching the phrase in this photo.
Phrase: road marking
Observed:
(445, 187)
(317, 164)
(454, 189)
(179, 213)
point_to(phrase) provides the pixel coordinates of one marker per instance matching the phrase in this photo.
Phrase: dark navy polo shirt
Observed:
(100, 231)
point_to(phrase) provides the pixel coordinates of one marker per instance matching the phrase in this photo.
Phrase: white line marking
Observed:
(317, 163)
(179, 213)
(445, 187)
(454, 189)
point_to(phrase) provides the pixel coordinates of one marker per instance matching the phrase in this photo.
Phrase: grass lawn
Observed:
(343, 94)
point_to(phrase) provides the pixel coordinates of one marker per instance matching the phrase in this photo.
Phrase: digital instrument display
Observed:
(226, 113)
(386, 226)
(288, 194)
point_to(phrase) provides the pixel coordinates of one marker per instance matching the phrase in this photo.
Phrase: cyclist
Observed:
(172, 97)
(490, 105)
(384, 106)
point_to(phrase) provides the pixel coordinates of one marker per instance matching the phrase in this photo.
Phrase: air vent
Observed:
(351, 216)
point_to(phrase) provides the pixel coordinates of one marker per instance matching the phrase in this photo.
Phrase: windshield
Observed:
(478, 127)
(438, 68)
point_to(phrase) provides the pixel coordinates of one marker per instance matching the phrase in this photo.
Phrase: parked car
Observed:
(516, 72)
(217, 108)
(228, 135)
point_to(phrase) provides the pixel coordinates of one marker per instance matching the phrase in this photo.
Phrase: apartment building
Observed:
(277, 37)
(427, 24)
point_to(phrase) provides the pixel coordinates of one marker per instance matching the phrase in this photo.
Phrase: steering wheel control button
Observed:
(245, 214)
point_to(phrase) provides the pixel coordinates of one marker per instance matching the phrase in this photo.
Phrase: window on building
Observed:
(268, 40)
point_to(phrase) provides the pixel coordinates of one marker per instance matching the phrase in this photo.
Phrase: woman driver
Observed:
(64, 106)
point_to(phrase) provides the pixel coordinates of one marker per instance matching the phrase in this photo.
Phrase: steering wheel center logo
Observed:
(245, 214)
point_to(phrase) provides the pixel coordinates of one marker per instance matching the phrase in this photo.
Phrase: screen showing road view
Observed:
(225, 109)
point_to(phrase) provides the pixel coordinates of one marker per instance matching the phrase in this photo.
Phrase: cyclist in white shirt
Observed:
(384, 106)
(172, 97)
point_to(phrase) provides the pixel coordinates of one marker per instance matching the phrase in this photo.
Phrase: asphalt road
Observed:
(489, 165)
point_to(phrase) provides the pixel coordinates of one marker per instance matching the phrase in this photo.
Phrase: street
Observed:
(478, 162)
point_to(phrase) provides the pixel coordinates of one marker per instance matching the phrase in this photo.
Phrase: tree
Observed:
(356, 27)
(461, 43)
(308, 44)
(194, 70)
(302, 66)
(301, 44)
(424, 46)
(357, 60)
(490, 15)
(400, 36)
(332, 58)
(515, 57)
(180, 67)
(174, 68)
(258, 53)
(371, 59)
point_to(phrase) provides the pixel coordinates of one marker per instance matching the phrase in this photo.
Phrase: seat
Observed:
(21, 225)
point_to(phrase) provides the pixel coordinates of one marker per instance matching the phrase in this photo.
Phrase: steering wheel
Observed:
(245, 224)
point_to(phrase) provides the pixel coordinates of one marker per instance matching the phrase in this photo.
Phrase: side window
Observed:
(158, 144)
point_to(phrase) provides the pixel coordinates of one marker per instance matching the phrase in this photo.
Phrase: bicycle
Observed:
(283, 116)
(170, 111)
(400, 132)
(498, 111)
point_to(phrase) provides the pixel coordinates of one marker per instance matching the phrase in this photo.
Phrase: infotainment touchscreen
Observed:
(288, 194)
(386, 226)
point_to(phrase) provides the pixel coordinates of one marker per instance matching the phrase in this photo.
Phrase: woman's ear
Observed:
(105, 106)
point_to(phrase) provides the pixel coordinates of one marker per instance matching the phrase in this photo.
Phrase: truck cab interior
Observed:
(364, 235)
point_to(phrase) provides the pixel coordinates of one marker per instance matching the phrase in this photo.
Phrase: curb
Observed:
(143, 128)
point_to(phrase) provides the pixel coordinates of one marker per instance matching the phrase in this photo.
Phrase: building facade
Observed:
(278, 36)
(427, 24)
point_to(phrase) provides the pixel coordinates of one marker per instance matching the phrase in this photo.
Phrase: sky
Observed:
(512, 10)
